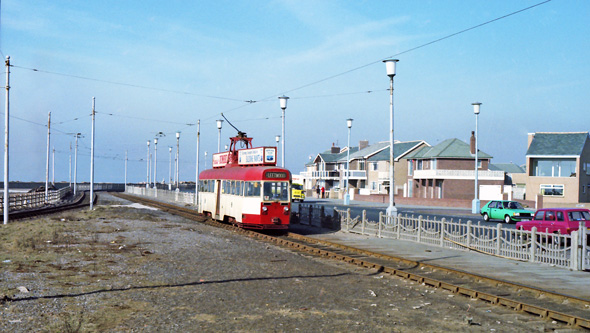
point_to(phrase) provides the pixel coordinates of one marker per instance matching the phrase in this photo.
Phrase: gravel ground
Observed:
(127, 268)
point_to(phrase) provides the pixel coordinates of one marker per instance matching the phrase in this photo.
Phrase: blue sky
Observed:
(157, 66)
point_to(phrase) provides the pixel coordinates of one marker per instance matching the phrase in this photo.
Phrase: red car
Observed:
(557, 220)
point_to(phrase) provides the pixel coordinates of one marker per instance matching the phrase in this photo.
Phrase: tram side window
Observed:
(276, 191)
(225, 186)
(252, 189)
(239, 185)
(211, 186)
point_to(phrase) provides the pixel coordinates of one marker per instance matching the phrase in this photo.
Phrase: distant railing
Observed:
(187, 198)
(331, 174)
(567, 251)
(20, 201)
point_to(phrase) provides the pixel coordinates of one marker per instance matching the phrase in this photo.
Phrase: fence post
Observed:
(399, 225)
(348, 219)
(443, 221)
(363, 222)
(533, 244)
(334, 220)
(584, 244)
(575, 263)
(498, 238)
(419, 235)
(322, 216)
(379, 224)
(309, 215)
(468, 245)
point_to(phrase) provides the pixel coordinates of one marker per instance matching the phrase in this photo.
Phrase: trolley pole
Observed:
(6, 126)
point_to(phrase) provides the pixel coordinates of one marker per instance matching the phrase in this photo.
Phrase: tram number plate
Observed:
(276, 175)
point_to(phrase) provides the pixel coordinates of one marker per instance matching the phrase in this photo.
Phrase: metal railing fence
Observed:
(20, 201)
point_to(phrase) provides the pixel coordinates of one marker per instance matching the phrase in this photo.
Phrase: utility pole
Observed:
(6, 125)
(70, 164)
(125, 170)
(197, 167)
(177, 159)
(76, 164)
(92, 159)
(47, 161)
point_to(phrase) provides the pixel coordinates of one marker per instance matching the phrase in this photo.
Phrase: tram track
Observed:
(546, 304)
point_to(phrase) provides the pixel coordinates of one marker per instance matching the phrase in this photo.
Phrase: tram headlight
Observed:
(286, 210)
(264, 210)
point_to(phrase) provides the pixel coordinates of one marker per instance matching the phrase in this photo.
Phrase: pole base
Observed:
(391, 211)
(346, 199)
(475, 206)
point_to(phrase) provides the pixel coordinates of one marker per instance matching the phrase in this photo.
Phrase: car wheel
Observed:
(486, 217)
(507, 219)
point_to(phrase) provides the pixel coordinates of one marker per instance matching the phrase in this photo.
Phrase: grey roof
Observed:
(328, 157)
(506, 167)
(400, 149)
(450, 148)
(367, 151)
(558, 144)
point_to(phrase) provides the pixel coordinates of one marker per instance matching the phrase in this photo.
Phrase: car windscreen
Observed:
(276, 191)
(297, 187)
(513, 205)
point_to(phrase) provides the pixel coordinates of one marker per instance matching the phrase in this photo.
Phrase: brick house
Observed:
(558, 167)
(446, 171)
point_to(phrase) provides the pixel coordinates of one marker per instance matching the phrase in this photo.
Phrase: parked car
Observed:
(557, 220)
(505, 210)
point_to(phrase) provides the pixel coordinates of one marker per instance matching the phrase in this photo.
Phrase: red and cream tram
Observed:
(246, 188)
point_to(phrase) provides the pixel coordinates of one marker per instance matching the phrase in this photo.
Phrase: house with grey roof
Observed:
(367, 171)
(558, 167)
(447, 171)
(515, 177)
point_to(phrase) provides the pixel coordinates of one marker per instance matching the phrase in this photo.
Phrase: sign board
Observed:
(258, 156)
(220, 159)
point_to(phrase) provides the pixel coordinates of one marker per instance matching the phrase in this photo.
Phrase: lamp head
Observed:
(148, 143)
(349, 122)
(155, 141)
(476, 107)
(278, 138)
(219, 122)
(178, 135)
(283, 101)
(390, 66)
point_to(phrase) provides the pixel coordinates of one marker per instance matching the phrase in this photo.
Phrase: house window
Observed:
(410, 188)
(587, 168)
(410, 167)
(552, 190)
(433, 165)
(373, 166)
(552, 167)
(419, 166)
(362, 165)
(374, 186)
(479, 163)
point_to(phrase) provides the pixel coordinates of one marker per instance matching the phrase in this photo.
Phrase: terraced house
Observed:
(558, 167)
(447, 171)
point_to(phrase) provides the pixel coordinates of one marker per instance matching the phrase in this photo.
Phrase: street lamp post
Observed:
(170, 170)
(390, 67)
(277, 139)
(283, 102)
(347, 195)
(155, 163)
(147, 180)
(177, 158)
(475, 203)
(219, 123)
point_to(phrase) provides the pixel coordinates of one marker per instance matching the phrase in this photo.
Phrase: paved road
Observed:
(373, 209)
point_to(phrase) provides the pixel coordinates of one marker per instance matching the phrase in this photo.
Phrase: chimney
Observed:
(363, 144)
(472, 143)
(530, 138)
(335, 149)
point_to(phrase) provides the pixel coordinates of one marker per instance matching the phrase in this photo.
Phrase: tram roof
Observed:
(245, 173)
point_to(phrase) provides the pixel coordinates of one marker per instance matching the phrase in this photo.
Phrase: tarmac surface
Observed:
(548, 277)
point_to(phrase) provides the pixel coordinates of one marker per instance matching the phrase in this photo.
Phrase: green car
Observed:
(505, 210)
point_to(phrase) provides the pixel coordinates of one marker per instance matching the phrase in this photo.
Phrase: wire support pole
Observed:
(6, 146)
(47, 160)
(197, 166)
(92, 157)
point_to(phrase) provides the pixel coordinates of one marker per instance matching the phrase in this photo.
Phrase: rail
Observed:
(21, 201)
(187, 198)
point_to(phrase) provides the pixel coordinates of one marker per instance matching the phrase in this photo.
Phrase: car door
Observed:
(548, 223)
(497, 211)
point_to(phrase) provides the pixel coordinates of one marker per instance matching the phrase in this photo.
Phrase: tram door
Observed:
(217, 198)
